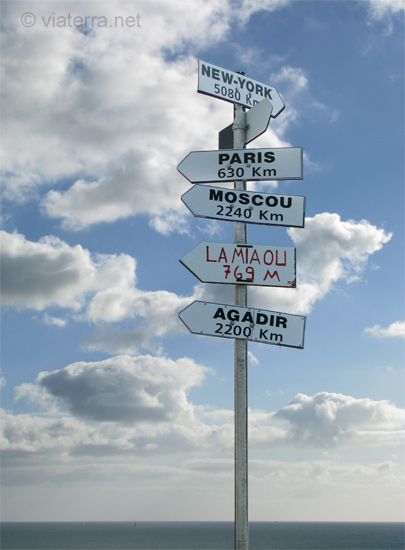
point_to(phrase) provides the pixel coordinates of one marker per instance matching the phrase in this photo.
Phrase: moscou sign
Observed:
(245, 206)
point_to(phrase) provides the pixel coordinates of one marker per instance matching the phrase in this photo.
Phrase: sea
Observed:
(201, 535)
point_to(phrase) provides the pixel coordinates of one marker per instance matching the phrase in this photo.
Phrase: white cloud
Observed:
(395, 330)
(108, 114)
(380, 8)
(332, 420)
(50, 272)
(328, 250)
(102, 288)
(141, 404)
(126, 389)
(50, 320)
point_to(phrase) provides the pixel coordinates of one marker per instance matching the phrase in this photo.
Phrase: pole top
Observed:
(241, 72)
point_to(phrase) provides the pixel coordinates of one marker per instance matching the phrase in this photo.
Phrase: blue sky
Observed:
(112, 409)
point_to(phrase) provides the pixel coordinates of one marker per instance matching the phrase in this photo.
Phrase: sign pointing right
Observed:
(257, 120)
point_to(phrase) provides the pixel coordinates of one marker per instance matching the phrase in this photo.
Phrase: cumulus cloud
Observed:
(141, 404)
(102, 115)
(394, 330)
(331, 420)
(328, 250)
(101, 288)
(127, 389)
(50, 272)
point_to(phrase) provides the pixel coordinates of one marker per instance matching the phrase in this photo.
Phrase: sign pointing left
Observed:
(244, 264)
(257, 325)
(282, 163)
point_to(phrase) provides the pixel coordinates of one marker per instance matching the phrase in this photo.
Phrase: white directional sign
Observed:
(241, 263)
(245, 206)
(283, 163)
(257, 119)
(257, 325)
(256, 122)
(236, 88)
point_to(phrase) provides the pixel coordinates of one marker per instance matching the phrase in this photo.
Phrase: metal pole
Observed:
(241, 395)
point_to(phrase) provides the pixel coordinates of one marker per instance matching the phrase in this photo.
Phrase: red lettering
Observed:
(222, 256)
(255, 257)
(208, 259)
(264, 257)
(237, 252)
(285, 258)
(268, 274)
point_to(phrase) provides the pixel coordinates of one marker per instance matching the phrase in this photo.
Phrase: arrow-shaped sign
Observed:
(236, 88)
(245, 206)
(257, 120)
(231, 263)
(283, 163)
(257, 325)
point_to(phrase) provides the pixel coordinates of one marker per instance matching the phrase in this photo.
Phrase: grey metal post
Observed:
(241, 395)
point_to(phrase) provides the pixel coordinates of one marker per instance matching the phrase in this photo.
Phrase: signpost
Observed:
(242, 264)
(236, 87)
(239, 263)
(256, 325)
(246, 206)
(284, 163)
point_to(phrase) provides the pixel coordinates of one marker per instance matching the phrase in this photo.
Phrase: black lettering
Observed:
(205, 70)
(247, 318)
(259, 89)
(257, 200)
(249, 157)
(271, 201)
(281, 321)
(267, 93)
(263, 215)
(215, 194)
(269, 173)
(235, 158)
(255, 172)
(223, 157)
(233, 315)
(261, 318)
(227, 78)
(276, 337)
(263, 334)
(289, 202)
(215, 74)
(219, 314)
(241, 81)
(269, 156)
(230, 197)
(244, 198)
(248, 98)
(250, 86)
